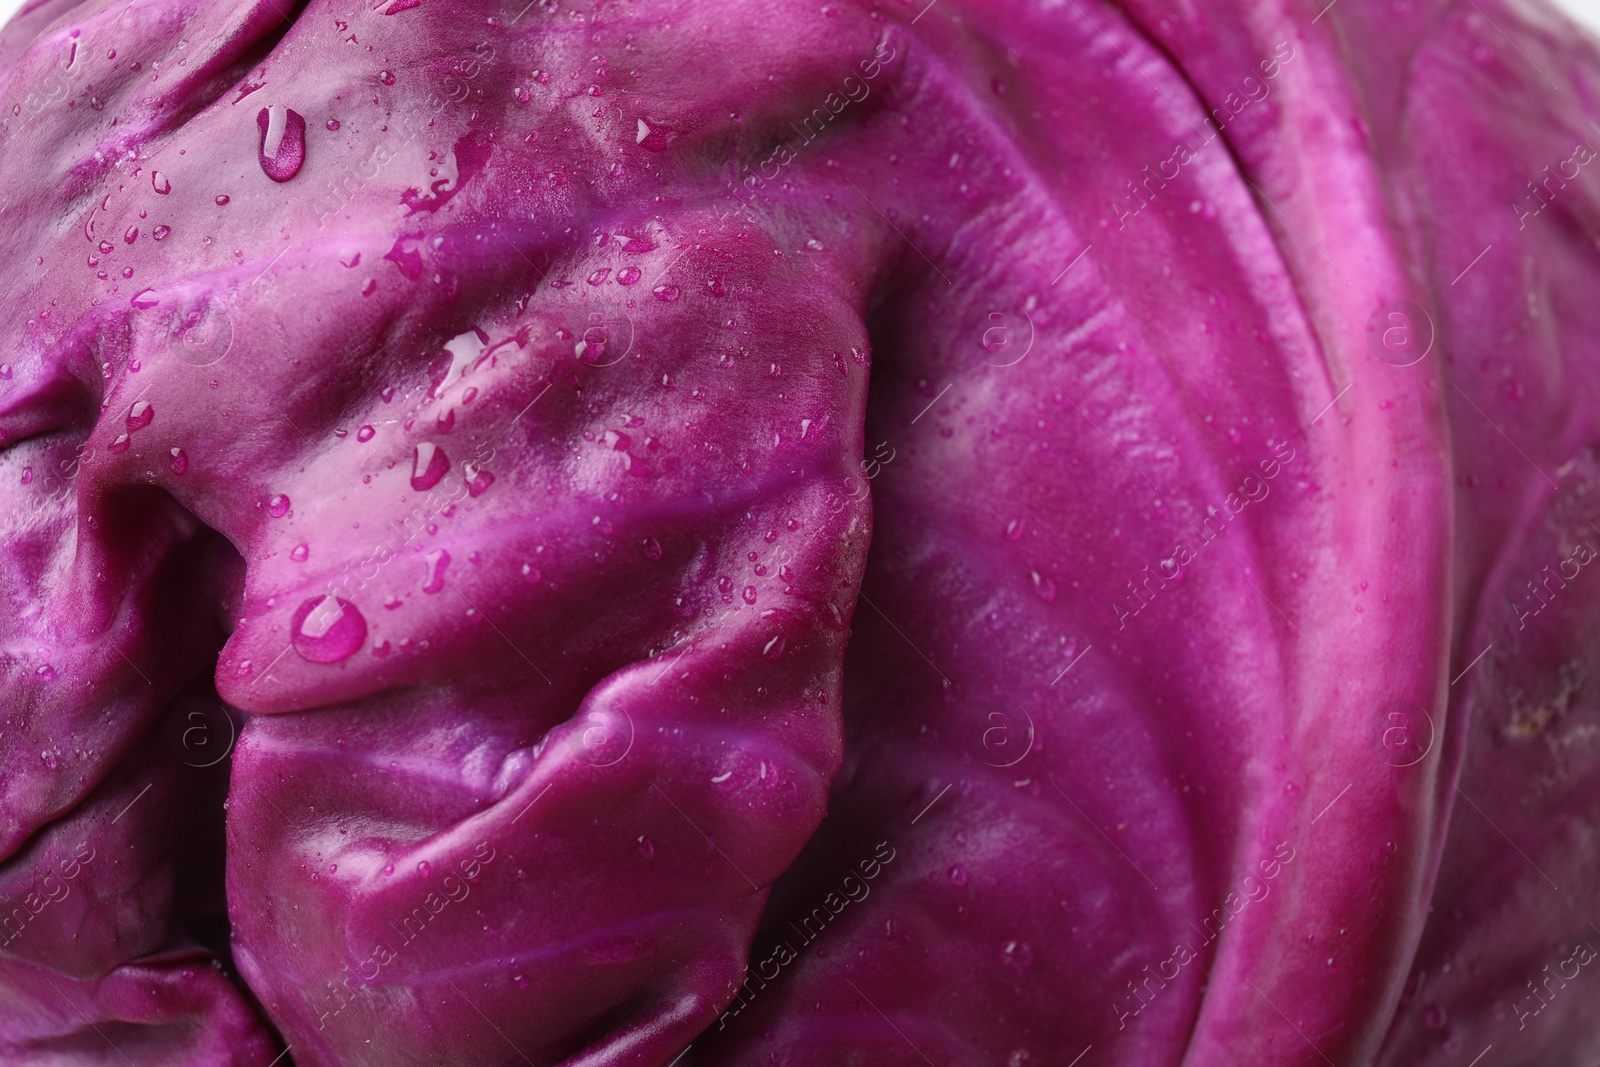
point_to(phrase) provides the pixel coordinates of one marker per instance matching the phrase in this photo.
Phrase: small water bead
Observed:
(651, 548)
(429, 465)
(300, 552)
(120, 444)
(386, 77)
(222, 200)
(160, 232)
(1018, 954)
(327, 629)
(278, 506)
(478, 480)
(627, 275)
(749, 594)
(106, 248)
(598, 277)
(180, 460)
(436, 562)
(668, 293)
(158, 181)
(333, 124)
(140, 415)
(131, 236)
(365, 433)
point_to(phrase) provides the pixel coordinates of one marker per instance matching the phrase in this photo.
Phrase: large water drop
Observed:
(327, 629)
(283, 141)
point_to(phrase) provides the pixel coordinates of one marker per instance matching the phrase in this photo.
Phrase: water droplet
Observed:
(654, 137)
(278, 506)
(774, 648)
(131, 236)
(598, 277)
(715, 287)
(333, 124)
(283, 142)
(1018, 954)
(160, 183)
(140, 415)
(300, 552)
(1014, 530)
(646, 848)
(478, 480)
(27, 475)
(386, 77)
(222, 200)
(49, 759)
(106, 248)
(1044, 587)
(327, 629)
(424, 868)
(180, 460)
(531, 573)
(365, 432)
(429, 465)
(1434, 1017)
(436, 561)
(120, 444)
(669, 293)
(749, 594)
(958, 876)
(5, 371)
(627, 275)
(651, 549)
(160, 232)
(522, 94)
(144, 298)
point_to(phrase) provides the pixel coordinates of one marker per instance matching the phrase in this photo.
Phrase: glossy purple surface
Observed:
(806, 534)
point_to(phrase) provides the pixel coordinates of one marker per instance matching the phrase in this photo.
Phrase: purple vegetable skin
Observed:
(478, 401)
